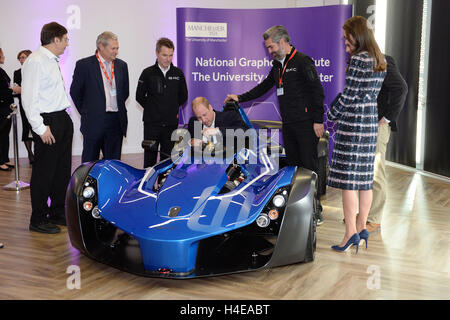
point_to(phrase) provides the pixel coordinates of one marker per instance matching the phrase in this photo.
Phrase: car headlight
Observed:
(263, 220)
(96, 213)
(279, 201)
(87, 206)
(88, 192)
(273, 214)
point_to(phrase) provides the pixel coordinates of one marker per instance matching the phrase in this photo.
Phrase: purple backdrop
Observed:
(222, 51)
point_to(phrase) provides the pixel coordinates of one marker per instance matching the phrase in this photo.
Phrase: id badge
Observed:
(280, 91)
(113, 92)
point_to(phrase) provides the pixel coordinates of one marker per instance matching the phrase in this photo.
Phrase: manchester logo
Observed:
(205, 30)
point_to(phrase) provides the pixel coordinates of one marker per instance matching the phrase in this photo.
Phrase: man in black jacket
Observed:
(161, 91)
(300, 95)
(391, 100)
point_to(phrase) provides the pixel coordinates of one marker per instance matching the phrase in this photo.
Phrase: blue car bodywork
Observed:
(186, 219)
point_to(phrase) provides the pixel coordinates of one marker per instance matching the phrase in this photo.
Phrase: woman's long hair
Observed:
(357, 26)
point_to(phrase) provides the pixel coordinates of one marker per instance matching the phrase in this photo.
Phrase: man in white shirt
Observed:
(44, 101)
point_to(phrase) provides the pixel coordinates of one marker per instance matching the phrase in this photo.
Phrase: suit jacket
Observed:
(88, 94)
(6, 97)
(17, 79)
(392, 96)
(224, 120)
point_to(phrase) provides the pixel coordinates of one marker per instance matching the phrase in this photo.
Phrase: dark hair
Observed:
(357, 26)
(166, 42)
(50, 31)
(26, 52)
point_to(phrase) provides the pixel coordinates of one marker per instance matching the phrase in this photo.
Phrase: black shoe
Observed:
(44, 227)
(60, 220)
(5, 169)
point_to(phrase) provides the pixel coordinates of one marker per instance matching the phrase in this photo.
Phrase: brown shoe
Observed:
(372, 227)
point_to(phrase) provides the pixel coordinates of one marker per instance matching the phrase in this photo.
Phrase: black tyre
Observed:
(312, 241)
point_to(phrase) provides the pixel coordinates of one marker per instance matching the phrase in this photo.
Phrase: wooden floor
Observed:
(408, 259)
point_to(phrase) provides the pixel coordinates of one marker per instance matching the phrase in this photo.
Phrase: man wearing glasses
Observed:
(45, 101)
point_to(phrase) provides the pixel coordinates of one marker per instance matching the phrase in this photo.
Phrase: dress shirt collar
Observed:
(213, 123)
(48, 53)
(162, 69)
(103, 59)
(212, 138)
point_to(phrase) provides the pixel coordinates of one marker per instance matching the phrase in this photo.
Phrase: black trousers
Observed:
(5, 128)
(110, 143)
(300, 144)
(162, 134)
(51, 168)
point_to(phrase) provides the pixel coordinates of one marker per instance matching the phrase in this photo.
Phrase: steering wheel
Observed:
(208, 149)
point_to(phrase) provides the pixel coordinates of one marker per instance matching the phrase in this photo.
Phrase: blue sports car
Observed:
(184, 218)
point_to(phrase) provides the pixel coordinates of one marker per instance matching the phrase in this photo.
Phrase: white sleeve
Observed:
(31, 76)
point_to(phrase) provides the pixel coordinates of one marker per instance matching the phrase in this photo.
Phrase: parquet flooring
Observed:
(408, 259)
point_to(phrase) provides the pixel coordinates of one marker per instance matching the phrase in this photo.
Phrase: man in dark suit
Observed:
(208, 125)
(391, 100)
(99, 89)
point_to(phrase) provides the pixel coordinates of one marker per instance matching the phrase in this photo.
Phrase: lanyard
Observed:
(104, 70)
(280, 77)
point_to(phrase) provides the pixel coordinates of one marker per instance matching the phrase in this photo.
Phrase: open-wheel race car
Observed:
(185, 218)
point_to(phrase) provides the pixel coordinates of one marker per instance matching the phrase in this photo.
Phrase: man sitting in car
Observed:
(210, 126)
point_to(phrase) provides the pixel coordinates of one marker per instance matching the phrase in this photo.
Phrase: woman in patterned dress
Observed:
(356, 114)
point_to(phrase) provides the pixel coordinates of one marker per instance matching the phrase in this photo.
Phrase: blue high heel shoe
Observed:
(353, 241)
(364, 235)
